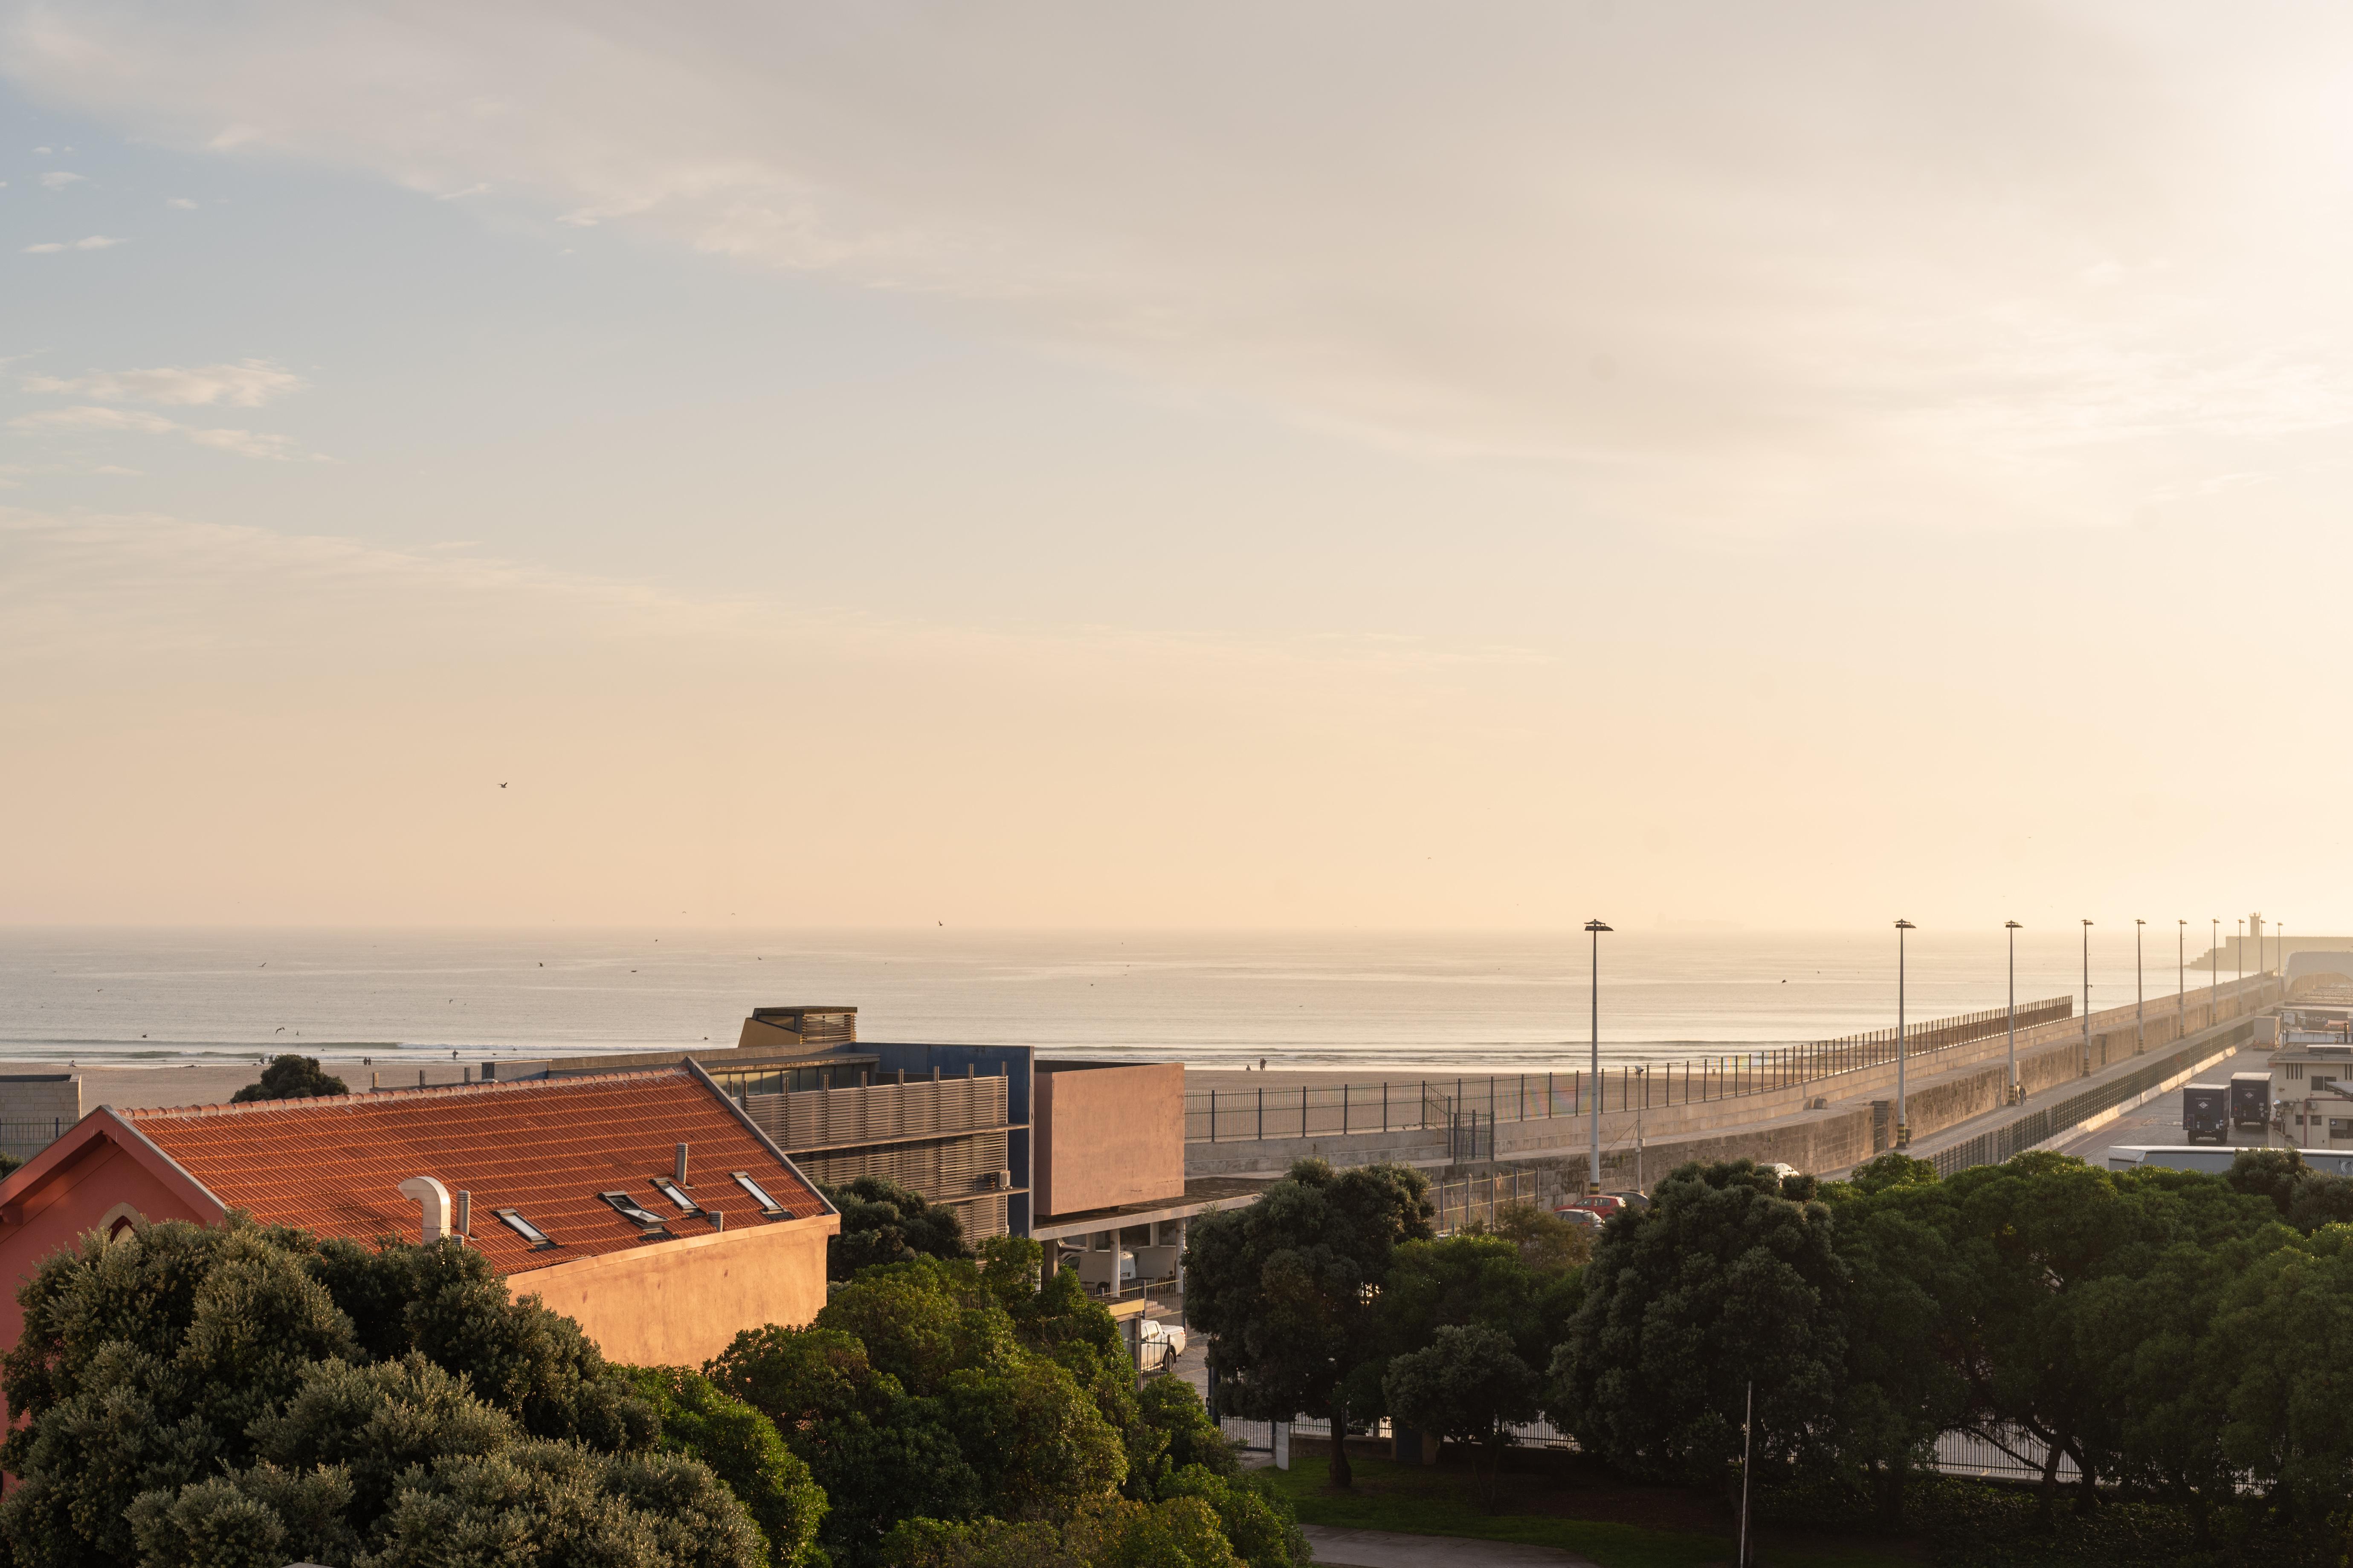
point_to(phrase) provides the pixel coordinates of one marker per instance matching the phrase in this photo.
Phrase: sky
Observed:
(1049, 465)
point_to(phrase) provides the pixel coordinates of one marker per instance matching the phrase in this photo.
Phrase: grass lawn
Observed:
(1437, 1500)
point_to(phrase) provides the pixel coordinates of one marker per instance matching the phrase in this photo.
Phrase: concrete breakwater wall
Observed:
(1826, 1125)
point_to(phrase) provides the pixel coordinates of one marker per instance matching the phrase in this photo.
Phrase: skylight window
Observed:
(627, 1208)
(676, 1195)
(768, 1206)
(526, 1229)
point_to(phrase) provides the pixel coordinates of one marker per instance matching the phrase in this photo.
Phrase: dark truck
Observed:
(2206, 1112)
(2251, 1099)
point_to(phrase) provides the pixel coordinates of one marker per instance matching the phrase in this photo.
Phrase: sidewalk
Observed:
(1391, 1549)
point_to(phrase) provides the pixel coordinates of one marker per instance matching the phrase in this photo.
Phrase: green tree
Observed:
(192, 1394)
(882, 1222)
(1901, 1389)
(945, 1389)
(1720, 1283)
(1468, 1385)
(1285, 1287)
(1548, 1244)
(2287, 1322)
(291, 1078)
(743, 1449)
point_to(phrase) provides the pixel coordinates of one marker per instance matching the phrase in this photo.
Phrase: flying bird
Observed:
(502, 784)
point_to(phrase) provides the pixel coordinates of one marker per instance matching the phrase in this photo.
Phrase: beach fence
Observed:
(1468, 1108)
(1466, 1200)
(22, 1140)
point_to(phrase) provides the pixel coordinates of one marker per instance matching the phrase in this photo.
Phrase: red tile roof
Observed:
(544, 1147)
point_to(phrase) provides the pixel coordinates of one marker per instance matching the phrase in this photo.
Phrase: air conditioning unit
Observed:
(1002, 1181)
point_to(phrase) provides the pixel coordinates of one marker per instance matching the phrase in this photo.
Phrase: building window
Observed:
(768, 1206)
(526, 1229)
(629, 1209)
(2341, 1127)
(2295, 1072)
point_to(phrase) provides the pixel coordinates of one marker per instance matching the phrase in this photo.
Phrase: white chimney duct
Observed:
(434, 1198)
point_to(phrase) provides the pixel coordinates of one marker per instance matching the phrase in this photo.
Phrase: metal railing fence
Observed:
(1240, 1115)
(1466, 1199)
(23, 1140)
(1471, 1106)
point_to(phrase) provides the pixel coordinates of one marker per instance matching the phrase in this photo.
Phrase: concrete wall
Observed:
(1107, 1135)
(678, 1303)
(41, 1097)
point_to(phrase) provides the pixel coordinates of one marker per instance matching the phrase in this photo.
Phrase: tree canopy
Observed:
(238, 1395)
(957, 1414)
(291, 1078)
(882, 1222)
(1286, 1288)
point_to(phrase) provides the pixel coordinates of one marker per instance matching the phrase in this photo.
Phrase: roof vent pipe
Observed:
(465, 1213)
(434, 1198)
(679, 1175)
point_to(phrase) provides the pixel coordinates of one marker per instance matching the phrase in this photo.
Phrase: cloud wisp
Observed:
(248, 384)
(1857, 265)
(88, 242)
(136, 421)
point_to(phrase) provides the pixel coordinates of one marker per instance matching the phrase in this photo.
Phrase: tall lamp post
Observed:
(1903, 1126)
(2140, 1025)
(2239, 959)
(2213, 970)
(2013, 928)
(1593, 1163)
(2087, 997)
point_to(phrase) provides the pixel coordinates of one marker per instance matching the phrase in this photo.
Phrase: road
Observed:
(2159, 1121)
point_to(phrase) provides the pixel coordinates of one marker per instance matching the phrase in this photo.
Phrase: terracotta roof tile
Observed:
(543, 1147)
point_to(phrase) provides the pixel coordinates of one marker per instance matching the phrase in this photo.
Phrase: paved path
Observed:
(1392, 1548)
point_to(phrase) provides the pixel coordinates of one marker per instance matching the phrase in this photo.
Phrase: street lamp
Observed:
(2180, 977)
(1593, 1165)
(2140, 1040)
(2087, 997)
(1903, 1126)
(2013, 928)
(2239, 959)
(2213, 970)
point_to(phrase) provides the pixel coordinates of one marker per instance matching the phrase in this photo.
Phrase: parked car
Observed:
(1586, 1217)
(1601, 1204)
(1159, 1343)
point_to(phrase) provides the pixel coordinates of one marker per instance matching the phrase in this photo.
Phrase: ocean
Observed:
(1376, 1002)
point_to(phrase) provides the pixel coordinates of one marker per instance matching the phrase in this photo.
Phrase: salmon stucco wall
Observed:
(100, 1180)
(1108, 1135)
(678, 1303)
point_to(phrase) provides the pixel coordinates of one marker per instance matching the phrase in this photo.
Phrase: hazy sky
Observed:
(1217, 465)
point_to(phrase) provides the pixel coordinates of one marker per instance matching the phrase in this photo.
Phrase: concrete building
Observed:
(2312, 1090)
(1112, 1197)
(646, 1205)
